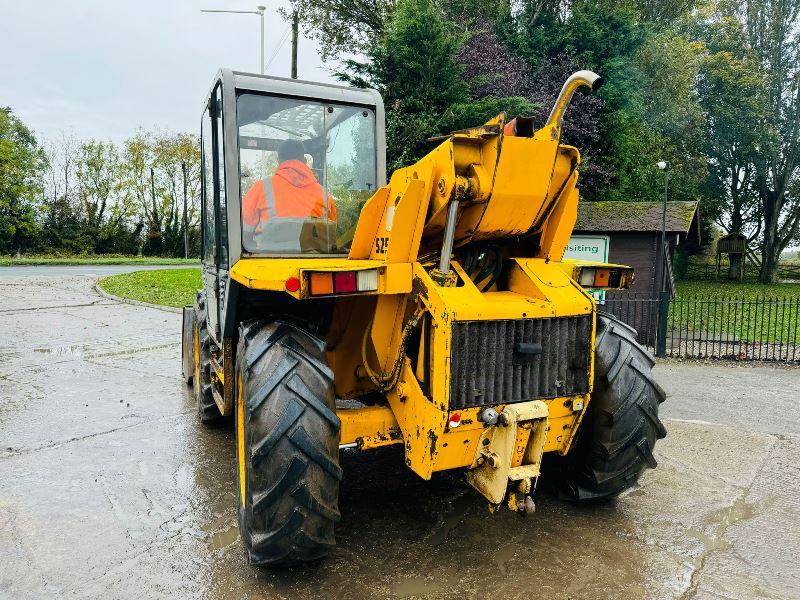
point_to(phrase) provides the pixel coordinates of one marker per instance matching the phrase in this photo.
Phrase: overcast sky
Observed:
(102, 69)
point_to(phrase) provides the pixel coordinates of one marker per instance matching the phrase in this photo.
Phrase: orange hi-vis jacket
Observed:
(293, 192)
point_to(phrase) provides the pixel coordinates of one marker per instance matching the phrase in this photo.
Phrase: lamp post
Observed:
(663, 296)
(259, 12)
(664, 166)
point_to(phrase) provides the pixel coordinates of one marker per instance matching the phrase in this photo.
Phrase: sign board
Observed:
(589, 247)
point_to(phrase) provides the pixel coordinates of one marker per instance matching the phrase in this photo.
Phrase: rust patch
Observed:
(418, 288)
(434, 438)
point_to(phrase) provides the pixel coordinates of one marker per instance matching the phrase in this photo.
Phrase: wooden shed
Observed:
(632, 233)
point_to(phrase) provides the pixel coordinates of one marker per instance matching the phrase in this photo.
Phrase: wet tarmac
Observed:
(110, 488)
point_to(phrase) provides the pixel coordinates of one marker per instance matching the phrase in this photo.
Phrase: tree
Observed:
(754, 74)
(415, 67)
(773, 34)
(97, 174)
(641, 115)
(59, 214)
(731, 87)
(107, 216)
(153, 178)
(22, 162)
(176, 156)
(492, 71)
(345, 26)
(662, 12)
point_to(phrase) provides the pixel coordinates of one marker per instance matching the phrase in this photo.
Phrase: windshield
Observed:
(306, 169)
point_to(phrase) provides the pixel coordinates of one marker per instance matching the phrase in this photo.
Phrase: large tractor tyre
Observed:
(287, 435)
(620, 429)
(207, 408)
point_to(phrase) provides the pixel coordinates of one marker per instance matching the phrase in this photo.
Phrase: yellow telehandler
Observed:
(434, 312)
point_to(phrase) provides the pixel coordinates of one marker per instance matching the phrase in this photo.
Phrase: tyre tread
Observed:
(207, 409)
(618, 435)
(293, 434)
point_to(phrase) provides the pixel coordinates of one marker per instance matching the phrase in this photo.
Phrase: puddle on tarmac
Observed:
(223, 539)
(738, 511)
(103, 348)
(76, 351)
(503, 556)
(711, 544)
(722, 518)
(419, 588)
(452, 520)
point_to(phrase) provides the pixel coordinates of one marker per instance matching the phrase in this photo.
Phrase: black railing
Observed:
(738, 328)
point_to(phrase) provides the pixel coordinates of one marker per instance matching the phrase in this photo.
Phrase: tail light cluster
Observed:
(326, 283)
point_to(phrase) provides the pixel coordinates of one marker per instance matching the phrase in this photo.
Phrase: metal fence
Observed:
(730, 327)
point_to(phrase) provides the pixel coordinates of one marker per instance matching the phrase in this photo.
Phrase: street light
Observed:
(663, 296)
(259, 12)
(664, 166)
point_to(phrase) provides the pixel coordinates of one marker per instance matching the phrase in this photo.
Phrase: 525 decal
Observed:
(381, 245)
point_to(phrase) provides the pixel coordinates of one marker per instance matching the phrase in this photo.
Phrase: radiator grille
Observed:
(486, 369)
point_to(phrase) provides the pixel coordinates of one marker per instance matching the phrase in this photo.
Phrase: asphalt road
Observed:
(109, 487)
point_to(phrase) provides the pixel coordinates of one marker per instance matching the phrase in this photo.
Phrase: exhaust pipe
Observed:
(588, 78)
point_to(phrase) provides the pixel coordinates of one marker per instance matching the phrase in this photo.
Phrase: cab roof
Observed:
(299, 88)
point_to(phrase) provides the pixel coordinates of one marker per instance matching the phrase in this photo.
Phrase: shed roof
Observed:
(635, 216)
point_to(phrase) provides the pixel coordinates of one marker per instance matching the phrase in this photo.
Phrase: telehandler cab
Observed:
(440, 302)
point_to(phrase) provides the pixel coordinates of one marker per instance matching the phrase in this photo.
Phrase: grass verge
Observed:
(747, 291)
(168, 287)
(738, 311)
(111, 259)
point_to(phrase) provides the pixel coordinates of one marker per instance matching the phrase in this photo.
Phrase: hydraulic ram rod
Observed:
(449, 234)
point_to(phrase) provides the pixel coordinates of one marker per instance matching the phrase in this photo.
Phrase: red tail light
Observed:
(344, 283)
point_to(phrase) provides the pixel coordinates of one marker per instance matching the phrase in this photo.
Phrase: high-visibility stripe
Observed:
(269, 201)
(269, 196)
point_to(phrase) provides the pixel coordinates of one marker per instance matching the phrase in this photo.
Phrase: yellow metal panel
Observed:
(384, 333)
(517, 196)
(369, 427)
(421, 422)
(367, 226)
(409, 218)
(558, 228)
(456, 447)
(547, 292)
(351, 319)
(520, 443)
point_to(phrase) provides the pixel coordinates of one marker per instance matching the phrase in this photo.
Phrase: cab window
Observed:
(208, 217)
(306, 170)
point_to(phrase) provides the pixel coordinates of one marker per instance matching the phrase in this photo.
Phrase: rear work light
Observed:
(342, 282)
(599, 277)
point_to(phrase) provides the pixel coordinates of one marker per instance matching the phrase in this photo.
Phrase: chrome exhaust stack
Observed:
(589, 79)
